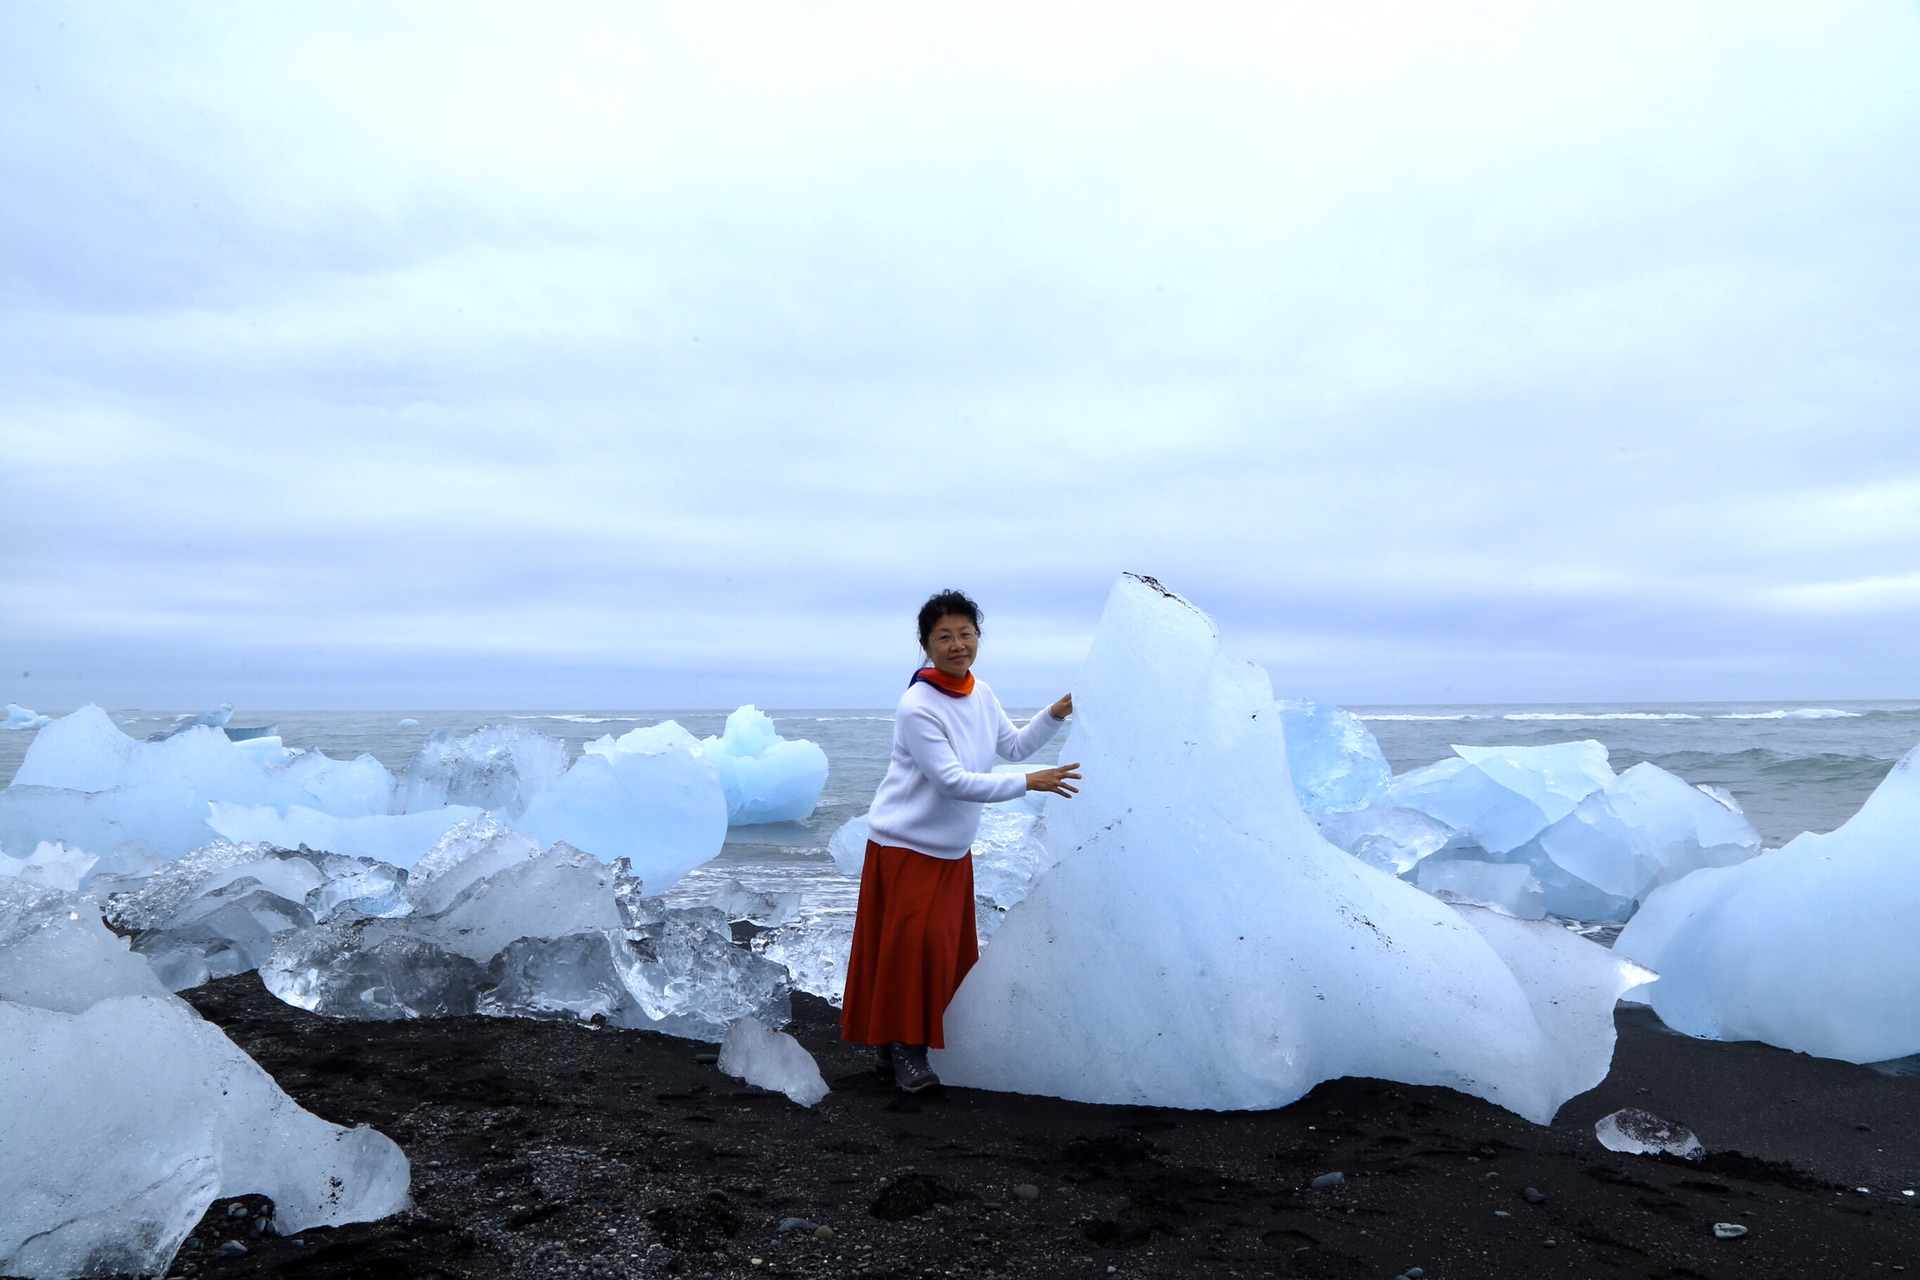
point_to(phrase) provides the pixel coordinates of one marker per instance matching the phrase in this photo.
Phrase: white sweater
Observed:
(939, 776)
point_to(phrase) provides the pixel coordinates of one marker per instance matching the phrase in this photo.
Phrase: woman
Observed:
(913, 936)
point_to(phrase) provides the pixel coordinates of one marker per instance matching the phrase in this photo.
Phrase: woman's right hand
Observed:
(1058, 779)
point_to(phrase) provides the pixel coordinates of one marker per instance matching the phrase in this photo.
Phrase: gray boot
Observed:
(910, 1069)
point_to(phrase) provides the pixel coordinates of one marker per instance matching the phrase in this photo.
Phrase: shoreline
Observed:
(551, 1149)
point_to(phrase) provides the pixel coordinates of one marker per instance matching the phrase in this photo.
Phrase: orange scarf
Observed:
(943, 682)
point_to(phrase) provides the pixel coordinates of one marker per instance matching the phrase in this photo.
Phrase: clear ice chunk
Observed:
(848, 845)
(769, 1059)
(1641, 1133)
(1394, 840)
(51, 865)
(56, 954)
(742, 903)
(465, 852)
(1508, 887)
(187, 1118)
(373, 970)
(814, 954)
(1645, 828)
(1333, 758)
(500, 768)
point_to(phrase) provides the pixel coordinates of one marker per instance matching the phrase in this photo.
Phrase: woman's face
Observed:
(953, 644)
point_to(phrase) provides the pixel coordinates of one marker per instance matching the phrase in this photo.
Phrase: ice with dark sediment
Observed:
(1333, 758)
(769, 1059)
(767, 778)
(1641, 1133)
(1810, 946)
(101, 1059)
(1197, 944)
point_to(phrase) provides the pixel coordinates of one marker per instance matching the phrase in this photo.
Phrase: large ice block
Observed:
(1199, 945)
(120, 1124)
(1811, 947)
(767, 778)
(86, 783)
(500, 768)
(648, 797)
(1510, 887)
(56, 954)
(1501, 797)
(1645, 828)
(374, 970)
(1335, 762)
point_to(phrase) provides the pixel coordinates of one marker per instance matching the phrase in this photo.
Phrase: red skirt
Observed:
(913, 941)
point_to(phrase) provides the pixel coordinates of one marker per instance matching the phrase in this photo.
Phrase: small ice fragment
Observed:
(409, 723)
(1640, 1133)
(742, 903)
(1728, 1231)
(772, 1060)
(19, 717)
(1326, 1180)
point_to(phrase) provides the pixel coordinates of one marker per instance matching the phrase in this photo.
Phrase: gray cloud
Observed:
(453, 358)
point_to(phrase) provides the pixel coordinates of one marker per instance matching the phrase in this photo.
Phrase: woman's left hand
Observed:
(1062, 709)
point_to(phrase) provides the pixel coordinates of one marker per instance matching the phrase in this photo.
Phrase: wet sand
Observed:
(549, 1149)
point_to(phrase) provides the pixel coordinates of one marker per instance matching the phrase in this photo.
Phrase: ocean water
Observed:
(1793, 767)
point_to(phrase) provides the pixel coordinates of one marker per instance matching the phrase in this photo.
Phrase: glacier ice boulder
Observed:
(1333, 758)
(1498, 798)
(56, 954)
(19, 717)
(499, 768)
(187, 1118)
(767, 778)
(1644, 829)
(651, 797)
(1197, 944)
(1814, 946)
(769, 1059)
(88, 784)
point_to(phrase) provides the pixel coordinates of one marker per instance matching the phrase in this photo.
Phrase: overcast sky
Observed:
(668, 356)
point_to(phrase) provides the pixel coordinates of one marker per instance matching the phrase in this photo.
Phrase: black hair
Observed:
(942, 603)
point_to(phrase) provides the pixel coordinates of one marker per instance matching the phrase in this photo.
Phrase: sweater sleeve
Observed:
(927, 743)
(1018, 744)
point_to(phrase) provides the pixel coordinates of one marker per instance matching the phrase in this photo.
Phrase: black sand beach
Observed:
(548, 1149)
